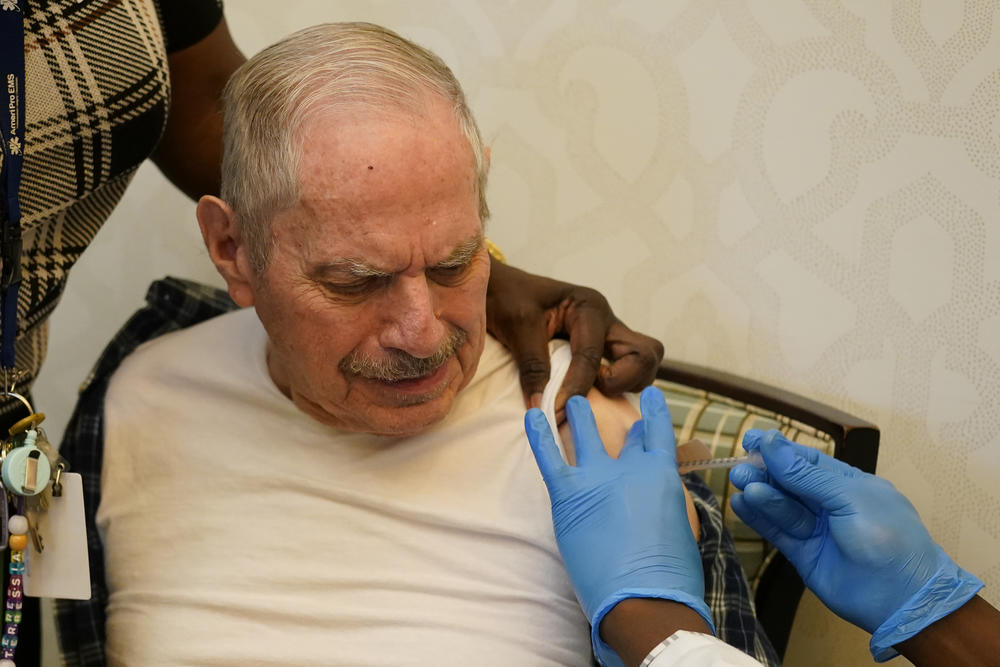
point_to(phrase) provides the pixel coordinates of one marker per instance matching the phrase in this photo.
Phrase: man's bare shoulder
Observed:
(614, 417)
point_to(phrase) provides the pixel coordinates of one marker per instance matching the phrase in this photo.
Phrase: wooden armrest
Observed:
(855, 440)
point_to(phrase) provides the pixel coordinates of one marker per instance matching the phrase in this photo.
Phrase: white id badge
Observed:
(62, 569)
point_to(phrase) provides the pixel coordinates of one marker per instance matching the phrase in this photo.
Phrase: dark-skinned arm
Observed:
(636, 625)
(967, 637)
(190, 151)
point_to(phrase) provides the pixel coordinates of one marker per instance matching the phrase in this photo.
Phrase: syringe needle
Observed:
(753, 458)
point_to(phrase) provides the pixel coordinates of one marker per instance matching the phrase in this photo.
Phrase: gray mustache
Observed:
(399, 365)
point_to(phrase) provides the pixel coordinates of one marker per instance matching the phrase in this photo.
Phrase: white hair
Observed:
(322, 68)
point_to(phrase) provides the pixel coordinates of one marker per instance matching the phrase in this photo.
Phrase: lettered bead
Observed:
(17, 525)
(18, 542)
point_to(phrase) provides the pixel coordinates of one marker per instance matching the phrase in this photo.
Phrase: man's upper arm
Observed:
(614, 417)
(190, 151)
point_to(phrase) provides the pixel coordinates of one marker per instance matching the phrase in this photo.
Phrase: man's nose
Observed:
(412, 318)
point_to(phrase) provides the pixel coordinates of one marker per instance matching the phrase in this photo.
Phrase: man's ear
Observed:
(230, 256)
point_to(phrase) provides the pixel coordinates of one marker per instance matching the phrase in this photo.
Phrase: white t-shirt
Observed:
(238, 530)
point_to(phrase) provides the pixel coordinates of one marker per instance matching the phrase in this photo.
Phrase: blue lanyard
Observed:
(12, 138)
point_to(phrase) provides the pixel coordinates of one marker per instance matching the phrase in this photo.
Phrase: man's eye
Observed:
(354, 288)
(446, 275)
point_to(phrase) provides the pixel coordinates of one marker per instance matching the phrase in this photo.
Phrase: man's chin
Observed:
(396, 421)
(393, 409)
(408, 420)
(400, 409)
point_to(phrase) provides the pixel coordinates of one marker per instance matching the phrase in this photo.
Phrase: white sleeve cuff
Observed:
(696, 649)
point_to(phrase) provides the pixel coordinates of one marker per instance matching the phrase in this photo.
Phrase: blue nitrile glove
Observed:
(855, 540)
(621, 525)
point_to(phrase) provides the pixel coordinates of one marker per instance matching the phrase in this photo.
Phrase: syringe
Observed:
(753, 458)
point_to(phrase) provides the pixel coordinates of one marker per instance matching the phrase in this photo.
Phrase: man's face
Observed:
(374, 298)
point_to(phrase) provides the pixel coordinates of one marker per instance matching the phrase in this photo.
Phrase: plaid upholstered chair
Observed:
(717, 408)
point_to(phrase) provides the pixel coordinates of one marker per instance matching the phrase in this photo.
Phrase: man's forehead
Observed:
(351, 163)
(390, 191)
(355, 131)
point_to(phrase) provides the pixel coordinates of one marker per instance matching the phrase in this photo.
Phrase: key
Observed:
(36, 537)
(57, 482)
(34, 508)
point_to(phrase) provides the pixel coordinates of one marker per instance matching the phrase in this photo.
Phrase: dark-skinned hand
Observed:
(525, 311)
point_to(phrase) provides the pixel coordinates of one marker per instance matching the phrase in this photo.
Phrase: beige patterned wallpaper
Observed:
(803, 191)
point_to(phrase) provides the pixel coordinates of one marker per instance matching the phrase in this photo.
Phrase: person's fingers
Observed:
(586, 343)
(744, 473)
(586, 439)
(769, 531)
(808, 481)
(745, 512)
(658, 425)
(781, 510)
(633, 360)
(585, 317)
(634, 441)
(754, 438)
(543, 445)
(518, 307)
(528, 342)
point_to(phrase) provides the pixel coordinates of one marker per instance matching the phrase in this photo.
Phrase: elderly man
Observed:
(336, 473)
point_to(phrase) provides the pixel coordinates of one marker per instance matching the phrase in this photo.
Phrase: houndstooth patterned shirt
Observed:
(97, 94)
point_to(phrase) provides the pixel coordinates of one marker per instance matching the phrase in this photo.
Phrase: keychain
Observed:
(26, 471)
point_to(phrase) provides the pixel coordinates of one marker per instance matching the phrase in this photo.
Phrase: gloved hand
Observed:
(855, 540)
(621, 525)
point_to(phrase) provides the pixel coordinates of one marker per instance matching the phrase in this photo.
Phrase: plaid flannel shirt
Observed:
(174, 304)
